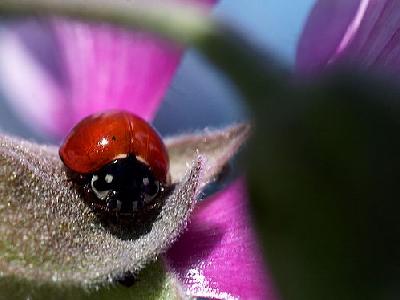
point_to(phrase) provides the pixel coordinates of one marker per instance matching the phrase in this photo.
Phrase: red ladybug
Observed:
(120, 158)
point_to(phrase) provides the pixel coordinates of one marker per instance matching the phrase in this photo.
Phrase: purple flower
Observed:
(362, 33)
(225, 262)
(55, 72)
(96, 67)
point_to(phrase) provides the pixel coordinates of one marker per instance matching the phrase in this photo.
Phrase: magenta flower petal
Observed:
(376, 42)
(102, 67)
(363, 33)
(218, 256)
(112, 68)
(31, 90)
(329, 28)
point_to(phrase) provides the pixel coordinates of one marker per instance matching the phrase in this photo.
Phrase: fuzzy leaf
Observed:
(47, 233)
(49, 236)
(218, 146)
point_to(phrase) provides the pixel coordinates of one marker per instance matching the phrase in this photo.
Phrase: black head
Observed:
(124, 187)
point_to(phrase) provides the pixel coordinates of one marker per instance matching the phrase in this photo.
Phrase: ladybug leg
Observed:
(115, 204)
(113, 201)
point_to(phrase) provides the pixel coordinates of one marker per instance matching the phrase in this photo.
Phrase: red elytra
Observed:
(101, 138)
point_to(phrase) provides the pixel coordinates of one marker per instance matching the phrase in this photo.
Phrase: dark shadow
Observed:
(132, 227)
(127, 279)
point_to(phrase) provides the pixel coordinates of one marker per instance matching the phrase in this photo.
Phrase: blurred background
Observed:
(200, 96)
(323, 166)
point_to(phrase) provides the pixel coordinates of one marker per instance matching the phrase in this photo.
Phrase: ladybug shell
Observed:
(101, 138)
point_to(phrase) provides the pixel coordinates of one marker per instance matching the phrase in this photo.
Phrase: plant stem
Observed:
(188, 25)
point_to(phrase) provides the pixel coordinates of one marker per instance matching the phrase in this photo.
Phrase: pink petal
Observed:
(32, 91)
(364, 33)
(103, 67)
(110, 68)
(329, 29)
(377, 41)
(218, 256)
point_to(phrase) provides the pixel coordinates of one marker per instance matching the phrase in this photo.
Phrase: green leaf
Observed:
(217, 146)
(47, 232)
(257, 75)
(152, 283)
(325, 192)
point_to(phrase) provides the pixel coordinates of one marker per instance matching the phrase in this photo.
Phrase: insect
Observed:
(120, 160)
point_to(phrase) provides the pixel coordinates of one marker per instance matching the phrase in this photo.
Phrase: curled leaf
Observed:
(218, 146)
(49, 234)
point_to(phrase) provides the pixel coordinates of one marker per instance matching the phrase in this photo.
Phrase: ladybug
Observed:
(120, 160)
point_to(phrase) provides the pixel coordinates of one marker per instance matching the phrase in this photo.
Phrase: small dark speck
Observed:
(114, 138)
(127, 279)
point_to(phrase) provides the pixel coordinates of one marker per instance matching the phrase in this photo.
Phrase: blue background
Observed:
(199, 95)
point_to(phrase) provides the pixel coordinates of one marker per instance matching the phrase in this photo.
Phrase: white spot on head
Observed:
(146, 181)
(108, 178)
(100, 194)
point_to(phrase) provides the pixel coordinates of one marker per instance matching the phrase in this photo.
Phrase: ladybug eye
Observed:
(151, 188)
